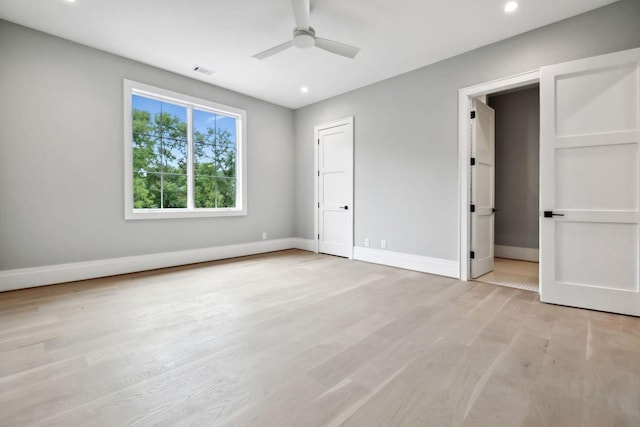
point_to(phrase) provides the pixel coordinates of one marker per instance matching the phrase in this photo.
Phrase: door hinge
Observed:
(318, 142)
(318, 173)
(318, 205)
(473, 161)
(318, 236)
(472, 255)
(473, 208)
(473, 114)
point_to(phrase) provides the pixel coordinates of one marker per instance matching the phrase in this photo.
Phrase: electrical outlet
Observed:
(383, 244)
(264, 235)
(366, 243)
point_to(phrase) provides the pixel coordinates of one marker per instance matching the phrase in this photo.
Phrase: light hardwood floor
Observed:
(300, 339)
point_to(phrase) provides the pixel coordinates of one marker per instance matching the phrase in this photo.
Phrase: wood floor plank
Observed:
(300, 339)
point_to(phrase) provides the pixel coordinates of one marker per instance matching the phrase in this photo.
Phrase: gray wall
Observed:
(517, 167)
(61, 158)
(406, 175)
(61, 148)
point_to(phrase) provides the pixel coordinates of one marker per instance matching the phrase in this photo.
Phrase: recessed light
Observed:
(304, 89)
(510, 6)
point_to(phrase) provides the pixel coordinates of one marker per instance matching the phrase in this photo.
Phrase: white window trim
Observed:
(132, 87)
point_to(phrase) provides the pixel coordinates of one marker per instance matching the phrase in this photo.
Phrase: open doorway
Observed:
(514, 223)
(516, 190)
(589, 163)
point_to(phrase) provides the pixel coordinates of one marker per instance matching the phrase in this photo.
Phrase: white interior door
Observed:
(335, 188)
(589, 183)
(482, 188)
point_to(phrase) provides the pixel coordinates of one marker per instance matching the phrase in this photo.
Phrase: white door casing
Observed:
(334, 184)
(482, 188)
(465, 105)
(590, 174)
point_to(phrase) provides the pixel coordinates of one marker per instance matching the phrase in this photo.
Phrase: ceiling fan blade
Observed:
(337, 48)
(301, 10)
(269, 52)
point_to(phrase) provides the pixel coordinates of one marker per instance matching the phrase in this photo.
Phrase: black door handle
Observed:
(550, 214)
(344, 207)
(494, 210)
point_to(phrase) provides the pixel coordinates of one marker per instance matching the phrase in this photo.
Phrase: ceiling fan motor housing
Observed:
(304, 38)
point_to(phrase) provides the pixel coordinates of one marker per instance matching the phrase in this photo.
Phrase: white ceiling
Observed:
(394, 36)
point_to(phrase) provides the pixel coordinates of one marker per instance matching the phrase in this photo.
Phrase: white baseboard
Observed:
(441, 267)
(23, 278)
(305, 244)
(513, 252)
(48, 275)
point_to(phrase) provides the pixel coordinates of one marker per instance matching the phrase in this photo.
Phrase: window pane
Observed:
(203, 159)
(215, 192)
(226, 192)
(225, 137)
(174, 191)
(154, 117)
(174, 156)
(215, 149)
(226, 162)
(204, 169)
(159, 145)
(204, 126)
(144, 112)
(227, 125)
(214, 128)
(147, 156)
(204, 192)
(146, 190)
(172, 122)
(214, 161)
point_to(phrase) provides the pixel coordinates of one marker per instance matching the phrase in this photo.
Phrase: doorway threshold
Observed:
(513, 274)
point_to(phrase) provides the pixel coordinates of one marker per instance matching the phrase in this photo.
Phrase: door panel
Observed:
(335, 193)
(482, 189)
(484, 232)
(599, 100)
(590, 172)
(334, 149)
(335, 190)
(612, 250)
(484, 174)
(583, 184)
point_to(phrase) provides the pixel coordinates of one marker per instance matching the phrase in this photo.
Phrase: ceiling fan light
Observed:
(304, 40)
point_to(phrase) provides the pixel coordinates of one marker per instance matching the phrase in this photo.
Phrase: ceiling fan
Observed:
(304, 36)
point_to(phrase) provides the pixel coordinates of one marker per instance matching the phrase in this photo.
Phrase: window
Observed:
(184, 156)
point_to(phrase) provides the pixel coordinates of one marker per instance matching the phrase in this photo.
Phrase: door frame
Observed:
(465, 99)
(316, 182)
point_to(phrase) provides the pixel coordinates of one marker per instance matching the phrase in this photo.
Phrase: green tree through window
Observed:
(161, 157)
(214, 160)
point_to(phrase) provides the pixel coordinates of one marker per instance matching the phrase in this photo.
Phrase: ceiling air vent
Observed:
(203, 70)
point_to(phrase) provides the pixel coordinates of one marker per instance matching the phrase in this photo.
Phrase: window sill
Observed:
(182, 213)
